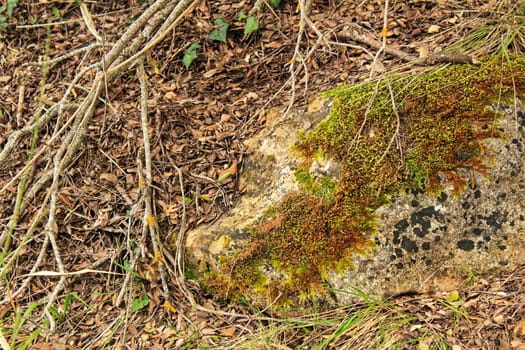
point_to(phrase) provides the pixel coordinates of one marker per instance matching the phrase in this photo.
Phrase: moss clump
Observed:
(435, 128)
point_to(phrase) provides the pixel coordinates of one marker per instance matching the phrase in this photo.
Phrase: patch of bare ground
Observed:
(79, 254)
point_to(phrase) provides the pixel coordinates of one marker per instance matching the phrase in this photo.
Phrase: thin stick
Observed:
(20, 105)
(398, 123)
(149, 218)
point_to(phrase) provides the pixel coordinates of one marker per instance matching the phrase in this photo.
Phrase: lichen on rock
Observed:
(382, 182)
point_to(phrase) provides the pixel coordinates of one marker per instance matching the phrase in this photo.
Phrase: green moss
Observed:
(440, 118)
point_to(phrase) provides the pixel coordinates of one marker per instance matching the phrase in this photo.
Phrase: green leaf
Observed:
(57, 315)
(252, 24)
(3, 22)
(242, 16)
(224, 177)
(190, 54)
(275, 3)
(69, 297)
(219, 34)
(56, 12)
(139, 304)
(11, 4)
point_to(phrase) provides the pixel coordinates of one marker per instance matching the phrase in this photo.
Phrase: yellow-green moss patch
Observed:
(405, 133)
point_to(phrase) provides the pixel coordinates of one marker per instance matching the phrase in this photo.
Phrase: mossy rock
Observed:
(375, 185)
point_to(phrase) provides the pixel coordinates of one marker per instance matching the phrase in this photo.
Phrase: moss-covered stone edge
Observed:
(434, 127)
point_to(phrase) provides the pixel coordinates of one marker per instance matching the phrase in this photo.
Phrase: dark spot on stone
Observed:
(401, 226)
(512, 173)
(502, 195)
(425, 225)
(477, 231)
(414, 203)
(480, 245)
(392, 257)
(442, 197)
(466, 244)
(428, 262)
(426, 246)
(428, 211)
(503, 262)
(398, 252)
(418, 232)
(486, 238)
(422, 216)
(477, 194)
(415, 191)
(522, 217)
(466, 205)
(437, 238)
(378, 242)
(399, 265)
(502, 247)
(409, 245)
(515, 141)
(495, 219)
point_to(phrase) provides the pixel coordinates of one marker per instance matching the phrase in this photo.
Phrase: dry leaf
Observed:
(232, 170)
(228, 332)
(111, 178)
(519, 328)
(453, 296)
(170, 96)
(169, 308)
(433, 29)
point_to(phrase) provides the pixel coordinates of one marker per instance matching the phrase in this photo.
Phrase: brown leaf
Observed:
(111, 178)
(228, 332)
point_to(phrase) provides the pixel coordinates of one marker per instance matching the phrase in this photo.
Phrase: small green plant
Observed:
(252, 24)
(11, 4)
(11, 327)
(139, 304)
(275, 3)
(221, 32)
(61, 316)
(190, 54)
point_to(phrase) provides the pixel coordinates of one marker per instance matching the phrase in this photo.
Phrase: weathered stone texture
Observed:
(430, 244)
(424, 243)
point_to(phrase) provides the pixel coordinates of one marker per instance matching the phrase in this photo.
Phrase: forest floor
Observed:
(203, 102)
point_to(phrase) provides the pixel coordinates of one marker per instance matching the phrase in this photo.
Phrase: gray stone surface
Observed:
(429, 244)
(424, 243)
